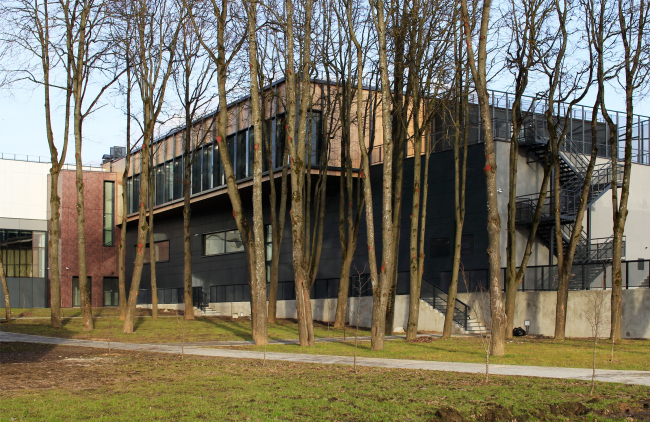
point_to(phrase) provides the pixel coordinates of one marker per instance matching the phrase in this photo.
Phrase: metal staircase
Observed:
(573, 171)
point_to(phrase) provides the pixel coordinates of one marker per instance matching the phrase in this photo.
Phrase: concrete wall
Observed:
(539, 309)
(359, 310)
(636, 227)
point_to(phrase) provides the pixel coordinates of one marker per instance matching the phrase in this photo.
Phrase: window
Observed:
(133, 194)
(161, 251)
(196, 171)
(280, 138)
(111, 291)
(467, 244)
(179, 174)
(241, 155)
(217, 172)
(76, 292)
(222, 243)
(440, 247)
(207, 167)
(23, 253)
(109, 206)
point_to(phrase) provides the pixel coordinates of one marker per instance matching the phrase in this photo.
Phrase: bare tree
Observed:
(596, 319)
(193, 78)
(526, 22)
(478, 66)
(429, 73)
(227, 47)
(460, 123)
(157, 26)
(562, 86)
(633, 20)
(32, 30)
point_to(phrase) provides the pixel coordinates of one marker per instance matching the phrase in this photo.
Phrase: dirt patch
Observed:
(635, 411)
(26, 314)
(447, 414)
(569, 409)
(498, 413)
(29, 366)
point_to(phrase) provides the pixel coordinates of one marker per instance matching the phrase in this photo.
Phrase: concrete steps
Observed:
(207, 312)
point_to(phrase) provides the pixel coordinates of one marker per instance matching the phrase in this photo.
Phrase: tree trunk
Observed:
(121, 249)
(188, 158)
(152, 246)
(143, 230)
(53, 247)
(259, 278)
(84, 287)
(5, 291)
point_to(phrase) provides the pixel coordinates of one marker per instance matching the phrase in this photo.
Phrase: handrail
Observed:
(461, 309)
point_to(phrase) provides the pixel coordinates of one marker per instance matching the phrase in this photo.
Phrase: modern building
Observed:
(219, 270)
(24, 222)
(219, 275)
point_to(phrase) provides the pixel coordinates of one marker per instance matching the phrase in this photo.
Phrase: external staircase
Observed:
(463, 319)
(573, 172)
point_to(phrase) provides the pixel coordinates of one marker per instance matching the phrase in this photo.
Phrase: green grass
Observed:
(628, 354)
(58, 383)
(163, 330)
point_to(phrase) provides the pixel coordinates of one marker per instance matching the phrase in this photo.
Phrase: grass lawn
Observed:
(162, 330)
(46, 382)
(578, 353)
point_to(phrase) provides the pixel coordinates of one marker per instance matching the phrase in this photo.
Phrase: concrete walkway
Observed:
(623, 377)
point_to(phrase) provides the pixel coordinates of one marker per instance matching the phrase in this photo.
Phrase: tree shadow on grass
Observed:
(227, 325)
(17, 352)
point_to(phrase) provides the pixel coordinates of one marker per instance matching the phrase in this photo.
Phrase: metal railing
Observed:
(46, 160)
(438, 299)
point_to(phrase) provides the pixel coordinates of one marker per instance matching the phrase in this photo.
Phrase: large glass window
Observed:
(222, 243)
(111, 291)
(241, 155)
(23, 253)
(109, 206)
(196, 172)
(217, 171)
(169, 181)
(133, 194)
(207, 167)
(159, 174)
(179, 174)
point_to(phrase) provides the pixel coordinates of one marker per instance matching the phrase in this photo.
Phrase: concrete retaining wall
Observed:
(536, 307)
(539, 309)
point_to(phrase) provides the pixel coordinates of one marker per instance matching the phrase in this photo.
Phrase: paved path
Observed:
(624, 377)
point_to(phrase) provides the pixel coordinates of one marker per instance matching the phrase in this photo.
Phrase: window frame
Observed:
(112, 214)
(203, 244)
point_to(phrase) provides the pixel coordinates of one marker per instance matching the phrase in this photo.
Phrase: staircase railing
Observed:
(437, 298)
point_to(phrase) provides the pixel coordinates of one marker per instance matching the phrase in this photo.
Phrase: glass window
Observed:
(159, 197)
(241, 155)
(196, 172)
(179, 174)
(233, 242)
(251, 149)
(76, 292)
(315, 130)
(38, 250)
(217, 172)
(109, 206)
(169, 181)
(214, 243)
(207, 167)
(111, 291)
(222, 243)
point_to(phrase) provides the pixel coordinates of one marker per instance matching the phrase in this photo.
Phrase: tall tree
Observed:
(193, 78)
(429, 75)
(562, 86)
(526, 22)
(33, 29)
(156, 28)
(478, 66)
(227, 45)
(633, 20)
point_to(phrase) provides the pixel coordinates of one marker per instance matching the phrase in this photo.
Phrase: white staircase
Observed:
(207, 312)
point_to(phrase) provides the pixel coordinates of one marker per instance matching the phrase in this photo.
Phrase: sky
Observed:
(22, 121)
